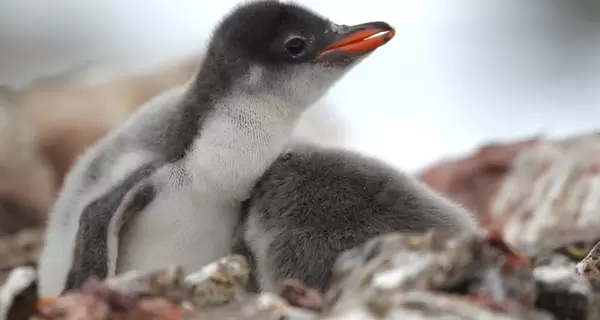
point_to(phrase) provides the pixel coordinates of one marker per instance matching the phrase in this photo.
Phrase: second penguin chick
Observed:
(314, 203)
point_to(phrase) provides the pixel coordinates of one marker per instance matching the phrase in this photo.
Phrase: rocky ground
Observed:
(537, 201)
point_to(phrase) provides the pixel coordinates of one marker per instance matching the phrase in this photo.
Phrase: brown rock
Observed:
(423, 305)
(551, 187)
(403, 261)
(217, 283)
(97, 301)
(167, 282)
(545, 200)
(21, 249)
(534, 188)
(223, 281)
(76, 306)
(479, 267)
(300, 295)
(264, 306)
(27, 186)
(565, 294)
(116, 300)
(474, 180)
(589, 266)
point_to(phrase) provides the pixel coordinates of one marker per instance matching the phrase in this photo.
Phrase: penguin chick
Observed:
(314, 203)
(167, 185)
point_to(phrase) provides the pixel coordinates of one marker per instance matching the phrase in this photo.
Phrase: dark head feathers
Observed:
(270, 31)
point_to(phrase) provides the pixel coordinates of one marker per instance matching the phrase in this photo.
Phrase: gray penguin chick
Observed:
(313, 203)
(168, 184)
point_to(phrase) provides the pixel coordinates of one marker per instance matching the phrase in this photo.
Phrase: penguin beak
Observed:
(358, 39)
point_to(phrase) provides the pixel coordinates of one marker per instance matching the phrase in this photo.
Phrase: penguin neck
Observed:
(242, 135)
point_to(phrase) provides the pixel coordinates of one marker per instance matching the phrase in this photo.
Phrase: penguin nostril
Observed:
(295, 46)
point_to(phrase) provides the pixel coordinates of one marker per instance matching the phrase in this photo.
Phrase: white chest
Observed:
(182, 227)
(192, 223)
(235, 149)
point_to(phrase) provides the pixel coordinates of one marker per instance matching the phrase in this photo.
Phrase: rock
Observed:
(167, 282)
(550, 187)
(117, 300)
(563, 293)
(96, 300)
(544, 197)
(215, 284)
(571, 244)
(75, 306)
(164, 294)
(26, 180)
(479, 266)
(298, 294)
(533, 188)
(474, 180)
(589, 266)
(218, 283)
(18, 296)
(20, 249)
(402, 261)
(264, 306)
(434, 275)
(15, 216)
(84, 306)
(422, 305)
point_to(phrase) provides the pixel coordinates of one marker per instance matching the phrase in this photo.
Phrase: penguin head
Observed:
(289, 50)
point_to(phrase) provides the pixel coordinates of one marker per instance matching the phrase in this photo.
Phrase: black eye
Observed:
(295, 46)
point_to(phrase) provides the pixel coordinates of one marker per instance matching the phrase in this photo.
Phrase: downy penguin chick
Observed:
(167, 185)
(313, 203)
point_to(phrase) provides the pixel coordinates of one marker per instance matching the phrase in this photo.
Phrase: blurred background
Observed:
(458, 74)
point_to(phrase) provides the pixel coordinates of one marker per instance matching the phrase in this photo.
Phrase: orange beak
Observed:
(359, 39)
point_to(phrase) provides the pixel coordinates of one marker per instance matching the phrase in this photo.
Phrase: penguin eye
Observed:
(295, 46)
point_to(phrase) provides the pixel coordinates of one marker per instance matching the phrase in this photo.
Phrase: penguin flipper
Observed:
(97, 239)
(134, 202)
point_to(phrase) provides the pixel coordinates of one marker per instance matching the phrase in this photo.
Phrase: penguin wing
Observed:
(97, 239)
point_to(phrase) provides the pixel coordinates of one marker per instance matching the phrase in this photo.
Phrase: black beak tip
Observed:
(384, 26)
(357, 40)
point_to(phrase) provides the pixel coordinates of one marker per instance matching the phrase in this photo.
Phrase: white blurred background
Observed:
(457, 74)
